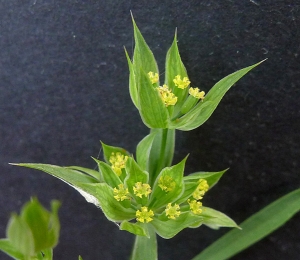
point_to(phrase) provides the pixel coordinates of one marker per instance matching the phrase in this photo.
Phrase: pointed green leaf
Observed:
(211, 177)
(69, 176)
(168, 228)
(152, 109)
(134, 174)
(254, 228)
(20, 236)
(202, 111)
(174, 67)
(8, 248)
(108, 150)
(143, 58)
(44, 225)
(137, 228)
(91, 172)
(161, 197)
(143, 151)
(189, 189)
(109, 176)
(133, 91)
(216, 219)
(112, 208)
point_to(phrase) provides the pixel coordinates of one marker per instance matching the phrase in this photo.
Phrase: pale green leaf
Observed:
(137, 228)
(254, 228)
(91, 172)
(112, 208)
(8, 248)
(168, 228)
(161, 197)
(133, 91)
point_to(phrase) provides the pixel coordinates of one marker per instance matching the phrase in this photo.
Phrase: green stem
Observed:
(145, 248)
(162, 152)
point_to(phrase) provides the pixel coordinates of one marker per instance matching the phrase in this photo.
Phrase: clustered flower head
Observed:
(118, 161)
(166, 94)
(139, 193)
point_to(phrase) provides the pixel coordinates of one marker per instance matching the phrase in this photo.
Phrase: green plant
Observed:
(34, 233)
(145, 194)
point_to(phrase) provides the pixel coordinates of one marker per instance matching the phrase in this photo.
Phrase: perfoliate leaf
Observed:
(203, 110)
(168, 228)
(112, 208)
(216, 219)
(137, 229)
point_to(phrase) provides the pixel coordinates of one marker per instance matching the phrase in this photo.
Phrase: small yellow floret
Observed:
(195, 92)
(195, 206)
(172, 212)
(167, 96)
(166, 183)
(118, 161)
(181, 83)
(144, 215)
(201, 189)
(153, 77)
(141, 189)
(121, 193)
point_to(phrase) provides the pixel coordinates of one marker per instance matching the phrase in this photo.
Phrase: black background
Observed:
(64, 87)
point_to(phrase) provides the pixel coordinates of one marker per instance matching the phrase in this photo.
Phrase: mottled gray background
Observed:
(64, 87)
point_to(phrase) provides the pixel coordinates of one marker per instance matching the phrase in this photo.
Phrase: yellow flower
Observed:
(166, 183)
(144, 215)
(195, 206)
(172, 212)
(141, 189)
(118, 161)
(195, 92)
(121, 193)
(201, 189)
(167, 96)
(181, 83)
(153, 77)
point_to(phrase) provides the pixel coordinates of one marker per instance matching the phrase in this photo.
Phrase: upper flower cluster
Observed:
(172, 104)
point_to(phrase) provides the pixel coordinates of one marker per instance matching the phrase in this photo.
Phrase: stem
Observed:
(145, 248)
(162, 152)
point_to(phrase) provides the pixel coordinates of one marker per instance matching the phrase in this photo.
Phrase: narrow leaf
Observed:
(254, 228)
(132, 82)
(91, 172)
(202, 111)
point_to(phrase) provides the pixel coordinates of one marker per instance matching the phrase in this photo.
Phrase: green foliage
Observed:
(147, 195)
(33, 233)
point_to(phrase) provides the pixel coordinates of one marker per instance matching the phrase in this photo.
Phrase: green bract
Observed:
(188, 113)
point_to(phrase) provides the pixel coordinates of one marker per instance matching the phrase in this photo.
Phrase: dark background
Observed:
(64, 87)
